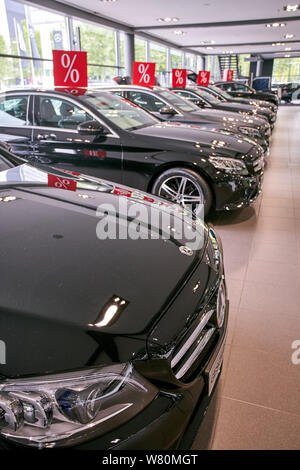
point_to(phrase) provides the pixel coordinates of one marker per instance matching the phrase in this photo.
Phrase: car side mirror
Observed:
(167, 110)
(91, 128)
(200, 103)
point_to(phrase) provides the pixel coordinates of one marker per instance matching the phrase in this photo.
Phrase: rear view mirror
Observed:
(167, 110)
(91, 128)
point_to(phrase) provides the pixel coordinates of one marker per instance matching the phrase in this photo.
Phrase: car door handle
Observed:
(46, 137)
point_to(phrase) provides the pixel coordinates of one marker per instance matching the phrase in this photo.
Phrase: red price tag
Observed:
(59, 182)
(95, 153)
(203, 78)
(122, 191)
(70, 68)
(143, 74)
(178, 78)
(228, 75)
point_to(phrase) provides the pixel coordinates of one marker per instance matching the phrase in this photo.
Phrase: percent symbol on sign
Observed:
(179, 77)
(61, 183)
(204, 77)
(145, 77)
(71, 72)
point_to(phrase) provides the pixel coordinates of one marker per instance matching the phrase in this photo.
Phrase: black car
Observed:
(105, 343)
(168, 106)
(241, 90)
(222, 95)
(290, 91)
(204, 99)
(101, 134)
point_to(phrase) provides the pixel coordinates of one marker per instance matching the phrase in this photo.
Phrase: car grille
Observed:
(191, 348)
(258, 164)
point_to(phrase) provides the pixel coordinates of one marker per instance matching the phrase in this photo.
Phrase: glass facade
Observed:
(286, 70)
(29, 34)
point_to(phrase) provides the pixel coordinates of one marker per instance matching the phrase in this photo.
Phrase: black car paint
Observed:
(248, 92)
(224, 96)
(221, 119)
(263, 113)
(56, 275)
(136, 158)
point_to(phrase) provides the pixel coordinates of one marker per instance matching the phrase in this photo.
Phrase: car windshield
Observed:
(208, 96)
(179, 103)
(224, 93)
(119, 111)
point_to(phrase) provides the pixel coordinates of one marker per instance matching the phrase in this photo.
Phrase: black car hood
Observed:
(238, 107)
(208, 137)
(57, 276)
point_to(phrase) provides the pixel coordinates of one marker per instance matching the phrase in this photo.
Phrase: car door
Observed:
(57, 141)
(16, 122)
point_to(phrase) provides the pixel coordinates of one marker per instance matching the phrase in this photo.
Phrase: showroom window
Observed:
(140, 50)
(100, 45)
(244, 65)
(158, 54)
(26, 31)
(176, 59)
(286, 70)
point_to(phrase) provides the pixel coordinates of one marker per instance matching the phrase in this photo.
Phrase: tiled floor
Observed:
(258, 397)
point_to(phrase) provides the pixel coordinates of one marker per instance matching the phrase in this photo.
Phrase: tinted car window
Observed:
(189, 96)
(180, 103)
(13, 110)
(120, 111)
(146, 101)
(227, 86)
(55, 112)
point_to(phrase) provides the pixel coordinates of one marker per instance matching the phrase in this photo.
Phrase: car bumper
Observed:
(173, 415)
(238, 192)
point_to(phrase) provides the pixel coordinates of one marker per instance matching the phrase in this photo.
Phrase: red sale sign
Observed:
(228, 75)
(70, 68)
(143, 74)
(178, 78)
(61, 183)
(203, 78)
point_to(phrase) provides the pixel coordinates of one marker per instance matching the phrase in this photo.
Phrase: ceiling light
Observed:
(287, 55)
(108, 1)
(288, 48)
(278, 44)
(291, 7)
(179, 32)
(167, 20)
(209, 47)
(275, 25)
(289, 36)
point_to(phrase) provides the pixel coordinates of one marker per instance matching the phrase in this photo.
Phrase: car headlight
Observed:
(250, 131)
(229, 165)
(68, 409)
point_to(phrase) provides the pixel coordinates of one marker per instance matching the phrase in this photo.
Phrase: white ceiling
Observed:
(144, 14)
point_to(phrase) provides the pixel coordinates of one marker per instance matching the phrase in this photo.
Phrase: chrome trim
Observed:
(203, 321)
(204, 340)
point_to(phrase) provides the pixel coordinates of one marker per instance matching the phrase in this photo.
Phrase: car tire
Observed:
(184, 186)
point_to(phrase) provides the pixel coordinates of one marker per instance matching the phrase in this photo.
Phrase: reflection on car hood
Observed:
(204, 135)
(54, 267)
